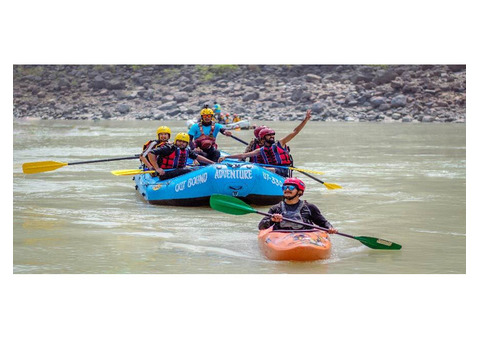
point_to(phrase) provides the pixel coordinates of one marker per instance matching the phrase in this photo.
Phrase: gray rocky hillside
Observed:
(402, 93)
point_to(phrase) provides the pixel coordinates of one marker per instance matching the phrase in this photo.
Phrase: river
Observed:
(401, 182)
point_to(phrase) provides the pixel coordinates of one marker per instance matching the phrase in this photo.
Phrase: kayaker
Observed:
(163, 135)
(275, 152)
(294, 208)
(203, 135)
(174, 156)
(236, 118)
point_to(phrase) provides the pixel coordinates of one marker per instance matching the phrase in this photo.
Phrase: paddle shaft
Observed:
(303, 223)
(104, 160)
(312, 177)
(240, 140)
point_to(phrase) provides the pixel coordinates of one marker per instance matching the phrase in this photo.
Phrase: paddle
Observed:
(235, 206)
(130, 172)
(329, 186)
(240, 140)
(36, 167)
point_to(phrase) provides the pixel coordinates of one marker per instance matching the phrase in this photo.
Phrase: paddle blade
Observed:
(36, 167)
(230, 205)
(131, 172)
(332, 186)
(378, 243)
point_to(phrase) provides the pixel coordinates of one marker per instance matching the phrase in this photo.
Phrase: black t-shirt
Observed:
(310, 214)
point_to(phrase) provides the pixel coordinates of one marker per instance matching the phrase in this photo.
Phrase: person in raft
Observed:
(275, 152)
(203, 135)
(174, 156)
(163, 135)
(292, 207)
(256, 143)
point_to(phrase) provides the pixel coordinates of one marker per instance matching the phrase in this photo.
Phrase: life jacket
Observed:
(157, 144)
(177, 159)
(276, 155)
(205, 142)
(258, 158)
(302, 214)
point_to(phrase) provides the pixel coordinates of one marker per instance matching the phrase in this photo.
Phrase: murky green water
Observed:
(402, 182)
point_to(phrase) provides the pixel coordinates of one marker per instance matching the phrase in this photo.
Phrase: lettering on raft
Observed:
(200, 179)
(233, 174)
(272, 179)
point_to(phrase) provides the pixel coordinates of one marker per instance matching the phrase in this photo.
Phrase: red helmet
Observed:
(295, 181)
(266, 131)
(257, 130)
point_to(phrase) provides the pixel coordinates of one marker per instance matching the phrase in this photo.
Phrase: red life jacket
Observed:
(276, 155)
(177, 159)
(258, 158)
(205, 142)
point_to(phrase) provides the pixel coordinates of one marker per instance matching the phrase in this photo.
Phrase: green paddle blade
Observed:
(378, 243)
(230, 205)
(36, 167)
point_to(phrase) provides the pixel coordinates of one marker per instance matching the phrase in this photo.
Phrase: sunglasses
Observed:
(289, 187)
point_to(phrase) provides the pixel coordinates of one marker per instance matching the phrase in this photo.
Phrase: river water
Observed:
(401, 182)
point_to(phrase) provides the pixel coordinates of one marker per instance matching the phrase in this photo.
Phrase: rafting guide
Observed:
(203, 135)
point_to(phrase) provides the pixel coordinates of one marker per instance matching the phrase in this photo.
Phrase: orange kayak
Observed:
(301, 245)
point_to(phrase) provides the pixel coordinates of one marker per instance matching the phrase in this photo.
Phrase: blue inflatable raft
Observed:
(247, 181)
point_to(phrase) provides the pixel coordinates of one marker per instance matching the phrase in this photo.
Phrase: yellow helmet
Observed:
(164, 129)
(206, 111)
(182, 136)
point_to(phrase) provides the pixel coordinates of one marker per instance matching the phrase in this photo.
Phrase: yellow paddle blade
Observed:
(131, 172)
(332, 186)
(36, 167)
(310, 171)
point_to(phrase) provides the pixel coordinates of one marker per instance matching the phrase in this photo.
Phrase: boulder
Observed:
(123, 108)
(377, 101)
(313, 78)
(399, 101)
(250, 96)
(98, 83)
(180, 97)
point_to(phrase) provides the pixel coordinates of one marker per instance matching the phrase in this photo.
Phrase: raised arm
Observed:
(295, 131)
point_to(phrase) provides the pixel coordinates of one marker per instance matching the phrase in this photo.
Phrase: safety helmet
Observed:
(182, 136)
(257, 130)
(206, 111)
(264, 132)
(295, 181)
(164, 129)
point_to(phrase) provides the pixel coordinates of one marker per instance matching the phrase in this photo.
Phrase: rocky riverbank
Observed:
(390, 93)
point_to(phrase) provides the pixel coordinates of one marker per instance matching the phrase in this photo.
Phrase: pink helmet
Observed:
(257, 130)
(295, 181)
(264, 132)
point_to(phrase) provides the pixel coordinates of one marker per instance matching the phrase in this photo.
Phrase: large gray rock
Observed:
(123, 108)
(251, 96)
(377, 101)
(180, 97)
(98, 83)
(399, 101)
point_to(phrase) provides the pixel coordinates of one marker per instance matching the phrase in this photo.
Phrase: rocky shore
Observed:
(385, 93)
